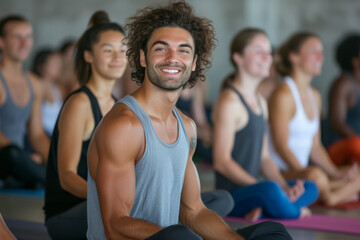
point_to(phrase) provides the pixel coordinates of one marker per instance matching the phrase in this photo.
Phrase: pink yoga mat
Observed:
(341, 206)
(316, 222)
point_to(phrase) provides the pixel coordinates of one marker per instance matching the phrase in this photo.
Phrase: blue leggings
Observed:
(272, 199)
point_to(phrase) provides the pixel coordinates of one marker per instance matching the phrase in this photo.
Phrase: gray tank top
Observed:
(247, 148)
(13, 118)
(159, 178)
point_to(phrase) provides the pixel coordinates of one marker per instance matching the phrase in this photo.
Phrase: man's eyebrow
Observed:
(166, 44)
(159, 42)
(186, 45)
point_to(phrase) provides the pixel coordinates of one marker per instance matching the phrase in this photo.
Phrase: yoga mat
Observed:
(341, 206)
(27, 230)
(23, 192)
(316, 222)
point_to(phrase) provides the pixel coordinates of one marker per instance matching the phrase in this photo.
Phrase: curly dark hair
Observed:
(176, 14)
(346, 50)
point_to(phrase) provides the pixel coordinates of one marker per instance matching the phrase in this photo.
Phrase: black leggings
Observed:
(261, 231)
(18, 164)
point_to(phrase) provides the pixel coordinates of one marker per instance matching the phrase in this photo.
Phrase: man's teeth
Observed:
(170, 70)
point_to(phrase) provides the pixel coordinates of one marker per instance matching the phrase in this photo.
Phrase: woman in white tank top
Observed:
(294, 109)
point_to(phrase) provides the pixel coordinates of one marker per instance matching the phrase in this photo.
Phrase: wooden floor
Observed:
(30, 208)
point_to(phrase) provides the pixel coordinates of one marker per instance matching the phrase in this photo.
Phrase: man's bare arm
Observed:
(193, 213)
(115, 176)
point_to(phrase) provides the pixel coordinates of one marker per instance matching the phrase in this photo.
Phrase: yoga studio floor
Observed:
(28, 207)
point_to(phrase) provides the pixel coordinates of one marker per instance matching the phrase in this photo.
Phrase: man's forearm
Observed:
(209, 225)
(130, 228)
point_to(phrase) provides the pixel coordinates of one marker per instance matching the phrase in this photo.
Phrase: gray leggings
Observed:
(219, 201)
(71, 224)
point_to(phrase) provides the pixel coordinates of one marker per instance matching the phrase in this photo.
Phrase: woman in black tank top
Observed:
(240, 147)
(100, 60)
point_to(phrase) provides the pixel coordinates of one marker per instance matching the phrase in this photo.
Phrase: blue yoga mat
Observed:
(23, 192)
(27, 230)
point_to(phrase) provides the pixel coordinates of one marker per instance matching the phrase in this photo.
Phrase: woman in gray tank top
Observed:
(240, 145)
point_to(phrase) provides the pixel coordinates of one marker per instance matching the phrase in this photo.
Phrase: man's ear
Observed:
(142, 58)
(194, 63)
(88, 57)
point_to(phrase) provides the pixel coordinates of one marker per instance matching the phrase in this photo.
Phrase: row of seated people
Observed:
(244, 145)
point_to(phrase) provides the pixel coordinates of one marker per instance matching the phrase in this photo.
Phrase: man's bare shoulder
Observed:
(120, 122)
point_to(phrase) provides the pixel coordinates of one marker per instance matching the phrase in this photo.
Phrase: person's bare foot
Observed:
(253, 215)
(305, 212)
(352, 198)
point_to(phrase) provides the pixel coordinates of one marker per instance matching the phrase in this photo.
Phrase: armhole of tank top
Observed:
(181, 125)
(130, 105)
(295, 94)
(315, 107)
(31, 89)
(260, 104)
(242, 100)
(94, 105)
(3, 82)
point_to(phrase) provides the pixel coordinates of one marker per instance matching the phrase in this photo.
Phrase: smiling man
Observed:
(142, 181)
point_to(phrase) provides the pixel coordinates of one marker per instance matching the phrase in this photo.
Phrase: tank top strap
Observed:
(28, 81)
(135, 107)
(94, 104)
(244, 102)
(181, 123)
(7, 89)
(290, 82)
(2, 78)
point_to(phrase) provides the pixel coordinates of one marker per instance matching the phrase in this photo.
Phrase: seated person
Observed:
(241, 143)
(142, 181)
(191, 102)
(20, 108)
(68, 79)
(47, 67)
(294, 110)
(344, 104)
(100, 60)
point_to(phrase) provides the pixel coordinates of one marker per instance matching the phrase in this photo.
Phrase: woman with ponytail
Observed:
(240, 146)
(294, 111)
(100, 60)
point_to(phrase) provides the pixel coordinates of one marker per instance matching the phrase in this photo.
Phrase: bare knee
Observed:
(318, 176)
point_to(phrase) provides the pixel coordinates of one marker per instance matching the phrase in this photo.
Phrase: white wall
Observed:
(55, 21)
